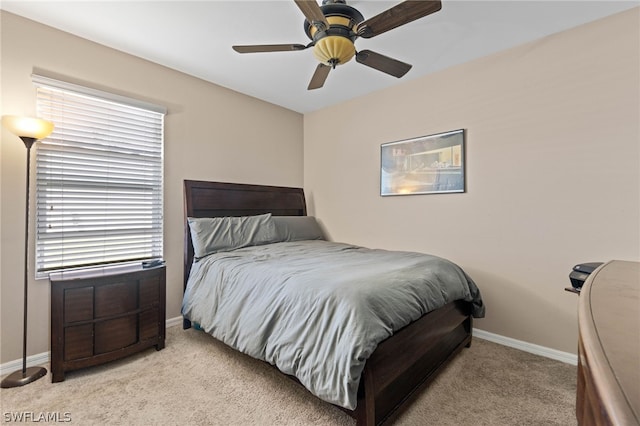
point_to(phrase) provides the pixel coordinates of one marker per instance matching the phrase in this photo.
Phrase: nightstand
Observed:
(104, 315)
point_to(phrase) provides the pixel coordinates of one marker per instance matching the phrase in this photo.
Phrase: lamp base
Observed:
(18, 378)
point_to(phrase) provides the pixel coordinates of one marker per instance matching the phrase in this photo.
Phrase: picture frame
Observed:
(433, 164)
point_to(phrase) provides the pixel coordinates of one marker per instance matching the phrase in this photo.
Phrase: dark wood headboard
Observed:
(219, 199)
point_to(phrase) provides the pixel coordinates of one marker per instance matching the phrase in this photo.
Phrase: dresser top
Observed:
(98, 272)
(609, 323)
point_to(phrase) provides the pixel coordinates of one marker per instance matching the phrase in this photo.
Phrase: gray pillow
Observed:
(296, 228)
(214, 234)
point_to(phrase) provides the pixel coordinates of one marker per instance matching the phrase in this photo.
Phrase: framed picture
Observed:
(431, 164)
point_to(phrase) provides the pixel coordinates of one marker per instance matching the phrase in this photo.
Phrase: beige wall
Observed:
(211, 133)
(552, 171)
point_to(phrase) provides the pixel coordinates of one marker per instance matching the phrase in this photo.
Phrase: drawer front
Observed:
(149, 292)
(78, 342)
(149, 324)
(115, 334)
(78, 304)
(115, 299)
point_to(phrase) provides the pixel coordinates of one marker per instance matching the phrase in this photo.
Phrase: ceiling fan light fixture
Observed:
(334, 50)
(334, 27)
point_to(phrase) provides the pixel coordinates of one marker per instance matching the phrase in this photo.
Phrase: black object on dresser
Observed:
(104, 315)
(581, 272)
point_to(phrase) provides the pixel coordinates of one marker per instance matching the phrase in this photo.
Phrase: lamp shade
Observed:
(27, 126)
(334, 50)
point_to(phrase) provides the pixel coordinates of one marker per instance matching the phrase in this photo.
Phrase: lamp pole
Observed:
(33, 126)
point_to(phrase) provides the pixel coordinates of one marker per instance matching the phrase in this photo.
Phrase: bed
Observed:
(398, 365)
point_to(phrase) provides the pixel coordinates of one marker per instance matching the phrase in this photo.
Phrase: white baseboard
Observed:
(565, 357)
(43, 358)
(171, 322)
(15, 365)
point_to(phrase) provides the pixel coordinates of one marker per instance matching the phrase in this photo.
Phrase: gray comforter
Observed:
(318, 309)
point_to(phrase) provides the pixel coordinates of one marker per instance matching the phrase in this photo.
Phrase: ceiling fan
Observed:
(334, 27)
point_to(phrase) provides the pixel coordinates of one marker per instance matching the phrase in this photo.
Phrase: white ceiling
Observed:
(195, 37)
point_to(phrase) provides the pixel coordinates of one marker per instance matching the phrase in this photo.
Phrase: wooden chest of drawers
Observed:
(103, 316)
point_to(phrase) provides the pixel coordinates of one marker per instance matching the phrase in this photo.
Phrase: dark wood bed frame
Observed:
(401, 364)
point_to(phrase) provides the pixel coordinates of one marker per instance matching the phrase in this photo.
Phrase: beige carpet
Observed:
(197, 380)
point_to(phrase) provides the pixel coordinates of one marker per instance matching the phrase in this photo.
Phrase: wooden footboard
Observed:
(410, 358)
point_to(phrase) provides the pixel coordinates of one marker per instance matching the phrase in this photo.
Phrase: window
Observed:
(98, 179)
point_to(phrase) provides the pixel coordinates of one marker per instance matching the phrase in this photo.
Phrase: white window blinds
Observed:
(99, 179)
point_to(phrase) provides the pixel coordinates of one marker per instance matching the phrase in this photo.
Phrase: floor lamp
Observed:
(29, 130)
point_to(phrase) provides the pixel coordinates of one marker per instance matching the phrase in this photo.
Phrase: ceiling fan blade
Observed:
(313, 13)
(319, 77)
(269, 48)
(401, 14)
(383, 63)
